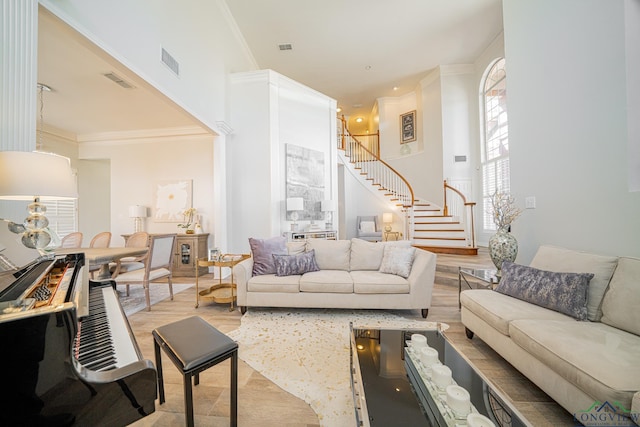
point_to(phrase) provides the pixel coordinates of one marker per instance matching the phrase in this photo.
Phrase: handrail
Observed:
(374, 167)
(445, 210)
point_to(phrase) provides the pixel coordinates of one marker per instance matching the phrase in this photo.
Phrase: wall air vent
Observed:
(118, 80)
(458, 159)
(285, 46)
(170, 62)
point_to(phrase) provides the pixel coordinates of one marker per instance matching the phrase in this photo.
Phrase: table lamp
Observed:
(328, 206)
(294, 204)
(137, 212)
(35, 176)
(387, 219)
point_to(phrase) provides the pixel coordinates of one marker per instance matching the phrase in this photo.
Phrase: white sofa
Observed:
(578, 363)
(349, 277)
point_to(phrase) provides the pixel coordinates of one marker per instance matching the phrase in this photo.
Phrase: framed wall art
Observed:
(305, 178)
(171, 199)
(408, 127)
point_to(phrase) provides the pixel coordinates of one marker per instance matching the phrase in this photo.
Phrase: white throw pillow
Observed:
(368, 227)
(397, 260)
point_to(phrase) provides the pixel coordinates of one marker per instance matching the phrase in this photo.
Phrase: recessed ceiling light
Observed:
(339, 109)
(395, 88)
(368, 67)
(359, 120)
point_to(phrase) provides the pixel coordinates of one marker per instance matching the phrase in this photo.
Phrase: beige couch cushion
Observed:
(621, 303)
(562, 260)
(366, 255)
(599, 359)
(331, 254)
(373, 282)
(332, 281)
(498, 310)
(296, 247)
(273, 283)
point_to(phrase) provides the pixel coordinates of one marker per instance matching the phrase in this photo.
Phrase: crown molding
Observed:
(130, 136)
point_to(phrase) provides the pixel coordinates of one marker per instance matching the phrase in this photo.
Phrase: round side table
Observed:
(223, 292)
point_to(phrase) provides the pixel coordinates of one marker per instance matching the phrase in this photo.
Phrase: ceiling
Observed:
(354, 51)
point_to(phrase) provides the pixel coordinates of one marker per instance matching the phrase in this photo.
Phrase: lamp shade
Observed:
(387, 217)
(137, 211)
(328, 205)
(295, 203)
(25, 175)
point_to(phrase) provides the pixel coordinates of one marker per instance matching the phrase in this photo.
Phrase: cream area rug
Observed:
(306, 352)
(157, 292)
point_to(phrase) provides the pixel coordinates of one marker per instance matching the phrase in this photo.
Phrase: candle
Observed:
(441, 376)
(475, 419)
(418, 340)
(428, 356)
(458, 400)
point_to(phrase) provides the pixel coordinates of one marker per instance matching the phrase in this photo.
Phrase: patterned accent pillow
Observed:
(262, 251)
(562, 292)
(397, 260)
(289, 265)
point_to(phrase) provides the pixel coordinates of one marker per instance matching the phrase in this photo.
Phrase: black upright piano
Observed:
(68, 356)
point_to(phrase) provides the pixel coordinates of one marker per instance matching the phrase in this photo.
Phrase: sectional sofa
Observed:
(348, 274)
(570, 322)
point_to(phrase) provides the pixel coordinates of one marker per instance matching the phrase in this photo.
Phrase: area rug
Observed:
(158, 292)
(306, 352)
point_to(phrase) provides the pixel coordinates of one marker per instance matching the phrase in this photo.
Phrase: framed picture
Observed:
(171, 199)
(408, 127)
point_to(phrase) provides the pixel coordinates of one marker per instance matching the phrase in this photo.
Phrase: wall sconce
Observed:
(387, 219)
(35, 176)
(329, 206)
(137, 212)
(294, 204)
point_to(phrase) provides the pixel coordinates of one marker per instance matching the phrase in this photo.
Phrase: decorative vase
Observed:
(502, 247)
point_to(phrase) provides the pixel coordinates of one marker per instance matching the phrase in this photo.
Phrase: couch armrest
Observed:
(635, 407)
(242, 272)
(422, 276)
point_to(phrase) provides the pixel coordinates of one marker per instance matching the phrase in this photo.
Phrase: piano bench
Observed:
(193, 345)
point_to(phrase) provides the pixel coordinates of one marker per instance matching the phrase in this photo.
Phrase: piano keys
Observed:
(69, 356)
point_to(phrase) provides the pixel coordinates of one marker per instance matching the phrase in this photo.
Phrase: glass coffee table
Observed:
(391, 386)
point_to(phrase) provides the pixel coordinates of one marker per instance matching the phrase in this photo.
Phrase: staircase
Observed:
(429, 226)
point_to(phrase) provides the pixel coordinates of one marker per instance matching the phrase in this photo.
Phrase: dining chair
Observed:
(101, 240)
(138, 239)
(72, 240)
(157, 265)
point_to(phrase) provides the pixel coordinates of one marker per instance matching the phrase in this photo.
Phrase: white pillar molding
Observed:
(19, 74)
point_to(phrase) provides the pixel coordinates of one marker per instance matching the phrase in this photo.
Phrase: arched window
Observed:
(495, 141)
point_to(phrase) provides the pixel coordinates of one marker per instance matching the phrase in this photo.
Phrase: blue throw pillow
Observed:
(289, 265)
(562, 292)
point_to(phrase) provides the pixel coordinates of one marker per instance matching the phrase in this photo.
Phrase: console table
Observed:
(305, 235)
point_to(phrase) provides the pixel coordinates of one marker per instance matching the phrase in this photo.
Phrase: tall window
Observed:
(495, 144)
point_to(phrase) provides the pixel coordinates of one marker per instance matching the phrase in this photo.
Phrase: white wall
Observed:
(269, 111)
(137, 165)
(198, 34)
(567, 88)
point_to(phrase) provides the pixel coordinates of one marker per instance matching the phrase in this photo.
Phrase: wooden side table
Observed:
(223, 292)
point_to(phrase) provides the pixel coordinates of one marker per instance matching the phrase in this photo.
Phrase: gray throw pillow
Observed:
(562, 292)
(262, 251)
(397, 260)
(289, 265)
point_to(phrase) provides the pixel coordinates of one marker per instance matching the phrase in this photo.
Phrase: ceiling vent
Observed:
(285, 46)
(170, 62)
(118, 80)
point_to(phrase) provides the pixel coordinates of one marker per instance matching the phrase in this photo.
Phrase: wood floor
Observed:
(262, 403)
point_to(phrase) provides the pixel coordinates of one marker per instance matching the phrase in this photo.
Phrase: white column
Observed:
(18, 74)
